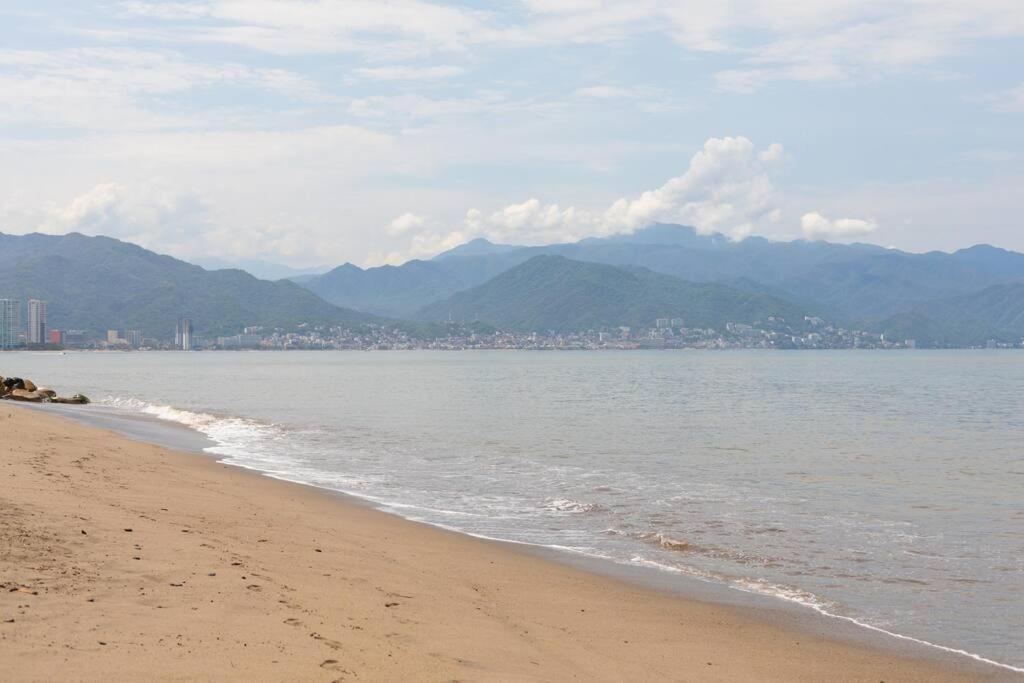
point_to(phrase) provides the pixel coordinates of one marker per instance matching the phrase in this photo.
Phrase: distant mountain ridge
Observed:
(99, 283)
(260, 268)
(476, 247)
(939, 299)
(555, 293)
(395, 291)
(858, 285)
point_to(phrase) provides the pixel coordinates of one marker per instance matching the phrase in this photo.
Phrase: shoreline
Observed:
(625, 629)
(796, 613)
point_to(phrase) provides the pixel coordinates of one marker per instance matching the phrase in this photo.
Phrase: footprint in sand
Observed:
(335, 666)
(333, 644)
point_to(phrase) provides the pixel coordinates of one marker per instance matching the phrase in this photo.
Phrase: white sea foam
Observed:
(570, 505)
(809, 600)
(225, 431)
(814, 602)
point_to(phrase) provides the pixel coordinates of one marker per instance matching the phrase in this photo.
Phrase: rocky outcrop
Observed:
(77, 399)
(11, 383)
(18, 389)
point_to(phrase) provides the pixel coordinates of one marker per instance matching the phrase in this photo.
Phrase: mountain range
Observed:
(941, 299)
(261, 268)
(857, 285)
(99, 283)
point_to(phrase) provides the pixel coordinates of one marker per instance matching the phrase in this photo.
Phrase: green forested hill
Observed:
(556, 293)
(996, 312)
(98, 283)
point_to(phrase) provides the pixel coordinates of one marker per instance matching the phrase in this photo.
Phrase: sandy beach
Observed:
(125, 561)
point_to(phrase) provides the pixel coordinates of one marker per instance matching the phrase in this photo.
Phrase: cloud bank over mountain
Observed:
(300, 130)
(818, 227)
(727, 188)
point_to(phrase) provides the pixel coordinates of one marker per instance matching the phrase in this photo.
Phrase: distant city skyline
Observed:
(312, 133)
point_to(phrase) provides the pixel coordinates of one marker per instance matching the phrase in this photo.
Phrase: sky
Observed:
(317, 132)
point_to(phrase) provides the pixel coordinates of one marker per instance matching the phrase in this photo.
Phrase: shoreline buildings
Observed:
(36, 321)
(9, 323)
(183, 334)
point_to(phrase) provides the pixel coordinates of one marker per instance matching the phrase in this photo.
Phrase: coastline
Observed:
(328, 588)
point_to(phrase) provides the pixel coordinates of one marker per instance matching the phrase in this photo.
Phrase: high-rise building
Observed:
(9, 323)
(36, 321)
(56, 337)
(183, 334)
(133, 337)
(113, 338)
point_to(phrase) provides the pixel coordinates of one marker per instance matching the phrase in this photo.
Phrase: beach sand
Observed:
(125, 561)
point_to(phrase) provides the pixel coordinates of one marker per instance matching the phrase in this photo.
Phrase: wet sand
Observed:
(121, 560)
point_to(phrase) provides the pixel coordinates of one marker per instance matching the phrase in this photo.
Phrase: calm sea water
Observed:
(887, 488)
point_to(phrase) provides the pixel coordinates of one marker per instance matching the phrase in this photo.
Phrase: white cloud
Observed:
(120, 88)
(291, 27)
(604, 92)
(749, 80)
(166, 10)
(726, 188)
(1007, 101)
(803, 40)
(815, 226)
(152, 214)
(301, 157)
(774, 153)
(406, 223)
(855, 40)
(402, 108)
(812, 40)
(645, 98)
(797, 40)
(297, 196)
(922, 215)
(409, 73)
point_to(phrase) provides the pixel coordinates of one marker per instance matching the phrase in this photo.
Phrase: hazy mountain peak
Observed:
(259, 268)
(476, 247)
(668, 234)
(983, 250)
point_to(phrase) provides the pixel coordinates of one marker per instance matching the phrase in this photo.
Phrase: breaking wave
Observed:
(569, 505)
(232, 436)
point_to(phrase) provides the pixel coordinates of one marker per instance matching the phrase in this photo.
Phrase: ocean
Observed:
(882, 488)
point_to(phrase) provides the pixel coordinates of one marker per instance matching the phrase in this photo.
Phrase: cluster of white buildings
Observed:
(11, 334)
